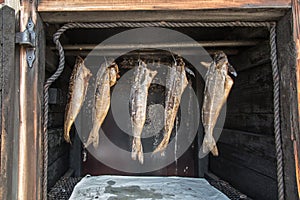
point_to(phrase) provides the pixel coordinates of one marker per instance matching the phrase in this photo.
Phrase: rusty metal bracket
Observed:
(27, 38)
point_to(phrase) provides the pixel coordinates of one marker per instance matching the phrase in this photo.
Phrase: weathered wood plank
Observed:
(250, 101)
(249, 150)
(261, 165)
(8, 101)
(252, 92)
(56, 120)
(296, 34)
(76, 155)
(255, 123)
(253, 57)
(289, 104)
(248, 181)
(209, 15)
(257, 144)
(82, 5)
(31, 98)
(57, 169)
(57, 146)
(259, 76)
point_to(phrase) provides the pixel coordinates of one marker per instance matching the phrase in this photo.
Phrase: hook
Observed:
(139, 59)
(175, 62)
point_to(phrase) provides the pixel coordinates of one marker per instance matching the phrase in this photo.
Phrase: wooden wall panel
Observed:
(95, 5)
(246, 145)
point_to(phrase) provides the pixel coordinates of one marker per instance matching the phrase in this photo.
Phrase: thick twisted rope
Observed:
(270, 25)
(276, 102)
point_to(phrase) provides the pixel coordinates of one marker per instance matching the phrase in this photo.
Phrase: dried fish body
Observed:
(217, 87)
(138, 102)
(106, 77)
(176, 83)
(77, 91)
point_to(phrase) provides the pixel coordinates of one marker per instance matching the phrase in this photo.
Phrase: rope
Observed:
(46, 110)
(276, 101)
(275, 71)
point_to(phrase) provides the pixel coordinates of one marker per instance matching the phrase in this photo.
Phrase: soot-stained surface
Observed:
(143, 187)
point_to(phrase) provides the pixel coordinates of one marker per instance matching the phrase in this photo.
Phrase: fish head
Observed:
(222, 63)
(179, 64)
(80, 65)
(79, 60)
(221, 60)
(113, 73)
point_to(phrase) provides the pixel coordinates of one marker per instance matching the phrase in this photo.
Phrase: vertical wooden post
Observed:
(296, 34)
(289, 103)
(8, 101)
(31, 94)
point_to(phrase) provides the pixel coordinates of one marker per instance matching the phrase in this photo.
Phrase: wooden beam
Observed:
(296, 33)
(31, 98)
(95, 5)
(109, 47)
(145, 53)
(207, 15)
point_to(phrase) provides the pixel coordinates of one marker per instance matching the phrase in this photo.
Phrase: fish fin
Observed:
(88, 142)
(228, 86)
(206, 64)
(162, 146)
(232, 70)
(189, 71)
(215, 151)
(93, 138)
(209, 144)
(67, 128)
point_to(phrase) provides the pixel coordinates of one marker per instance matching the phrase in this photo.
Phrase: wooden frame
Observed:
(289, 103)
(9, 102)
(29, 157)
(31, 100)
(95, 5)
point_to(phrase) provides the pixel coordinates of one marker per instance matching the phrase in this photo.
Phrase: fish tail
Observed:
(93, 137)
(163, 144)
(137, 150)
(141, 155)
(209, 145)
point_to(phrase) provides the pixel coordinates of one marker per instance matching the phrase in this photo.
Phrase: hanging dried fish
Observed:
(217, 87)
(176, 83)
(77, 91)
(138, 102)
(106, 77)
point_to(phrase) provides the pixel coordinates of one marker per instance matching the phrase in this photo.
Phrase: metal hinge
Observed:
(27, 38)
